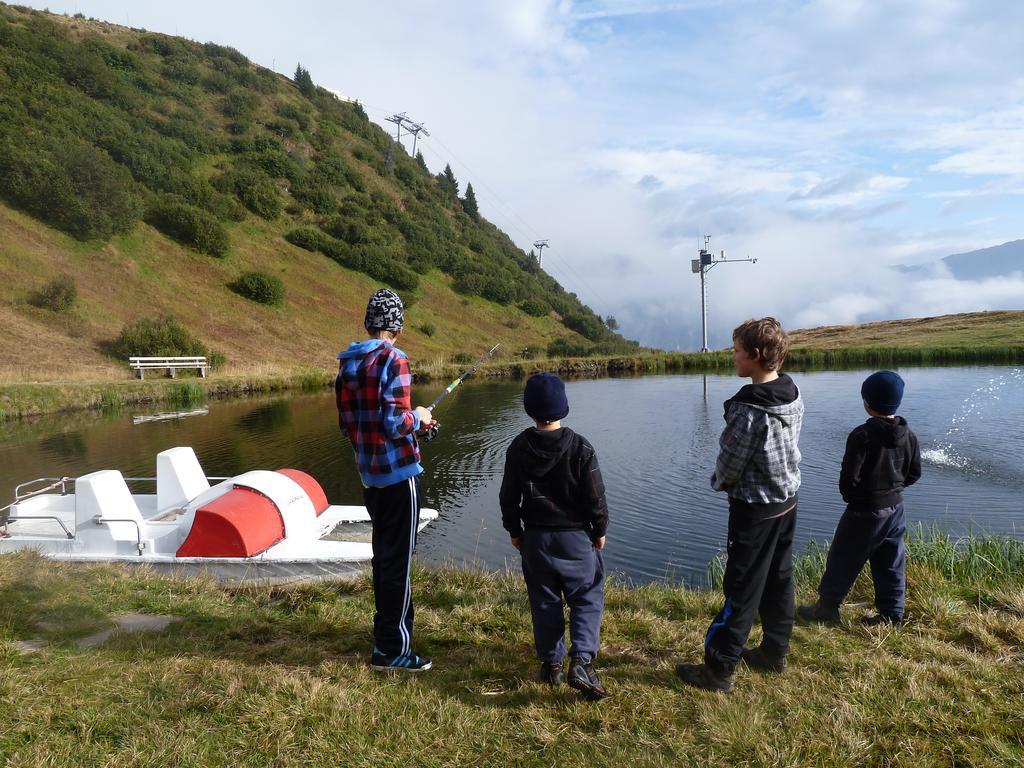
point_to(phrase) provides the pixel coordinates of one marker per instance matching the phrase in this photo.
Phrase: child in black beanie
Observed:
(553, 506)
(882, 458)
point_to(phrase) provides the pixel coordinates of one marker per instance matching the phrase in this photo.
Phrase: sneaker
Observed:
(881, 618)
(703, 676)
(407, 662)
(551, 673)
(758, 658)
(584, 679)
(819, 613)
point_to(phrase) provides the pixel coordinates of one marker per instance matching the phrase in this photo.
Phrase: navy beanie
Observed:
(883, 392)
(544, 397)
(384, 312)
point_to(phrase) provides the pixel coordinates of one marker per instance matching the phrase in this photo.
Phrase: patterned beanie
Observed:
(384, 312)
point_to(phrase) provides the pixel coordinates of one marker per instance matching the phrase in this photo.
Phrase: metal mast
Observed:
(540, 245)
(397, 120)
(703, 264)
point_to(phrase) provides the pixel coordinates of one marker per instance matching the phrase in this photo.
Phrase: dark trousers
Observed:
(557, 564)
(758, 581)
(395, 512)
(868, 537)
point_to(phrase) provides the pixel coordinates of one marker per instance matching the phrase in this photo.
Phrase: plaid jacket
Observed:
(373, 391)
(759, 459)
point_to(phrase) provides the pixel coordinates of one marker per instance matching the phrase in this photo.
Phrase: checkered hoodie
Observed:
(759, 459)
(373, 390)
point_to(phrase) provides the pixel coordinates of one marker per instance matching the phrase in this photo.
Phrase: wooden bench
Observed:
(170, 364)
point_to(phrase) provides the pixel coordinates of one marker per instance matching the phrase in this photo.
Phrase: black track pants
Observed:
(395, 512)
(758, 581)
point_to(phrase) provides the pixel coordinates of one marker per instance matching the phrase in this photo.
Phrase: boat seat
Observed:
(106, 494)
(179, 479)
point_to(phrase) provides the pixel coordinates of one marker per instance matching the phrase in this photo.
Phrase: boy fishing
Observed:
(373, 391)
(758, 467)
(882, 458)
(553, 506)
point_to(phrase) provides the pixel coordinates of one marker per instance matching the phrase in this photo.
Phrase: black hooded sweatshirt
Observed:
(552, 481)
(882, 458)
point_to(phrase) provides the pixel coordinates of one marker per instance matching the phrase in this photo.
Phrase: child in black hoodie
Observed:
(553, 506)
(882, 458)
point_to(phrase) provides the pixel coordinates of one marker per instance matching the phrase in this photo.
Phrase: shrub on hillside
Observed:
(316, 195)
(58, 295)
(188, 225)
(428, 329)
(74, 187)
(586, 325)
(160, 337)
(260, 287)
(310, 238)
(562, 347)
(254, 189)
(535, 308)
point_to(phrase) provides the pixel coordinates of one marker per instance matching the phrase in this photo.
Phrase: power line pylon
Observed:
(397, 119)
(540, 245)
(703, 264)
(415, 129)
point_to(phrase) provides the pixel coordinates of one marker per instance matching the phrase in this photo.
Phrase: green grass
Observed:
(257, 676)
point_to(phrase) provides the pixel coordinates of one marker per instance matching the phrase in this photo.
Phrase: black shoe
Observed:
(703, 676)
(817, 612)
(584, 679)
(881, 618)
(766, 662)
(551, 673)
(408, 662)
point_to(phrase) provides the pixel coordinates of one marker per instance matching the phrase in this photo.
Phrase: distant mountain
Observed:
(997, 261)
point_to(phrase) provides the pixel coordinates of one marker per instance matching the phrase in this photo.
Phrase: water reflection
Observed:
(656, 438)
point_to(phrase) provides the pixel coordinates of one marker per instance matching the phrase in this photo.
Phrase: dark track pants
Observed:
(865, 537)
(758, 581)
(557, 564)
(395, 512)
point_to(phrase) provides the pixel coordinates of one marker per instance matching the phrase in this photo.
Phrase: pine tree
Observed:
(612, 323)
(421, 161)
(447, 181)
(304, 81)
(469, 203)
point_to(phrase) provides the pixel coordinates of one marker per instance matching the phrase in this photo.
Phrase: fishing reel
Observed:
(431, 432)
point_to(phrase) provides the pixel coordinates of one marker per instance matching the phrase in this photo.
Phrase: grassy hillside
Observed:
(972, 330)
(256, 676)
(155, 171)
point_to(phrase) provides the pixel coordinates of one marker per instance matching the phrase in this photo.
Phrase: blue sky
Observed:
(831, 139)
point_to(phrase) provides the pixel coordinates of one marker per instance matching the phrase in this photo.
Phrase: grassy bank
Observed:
(262, 676)
(19, 399)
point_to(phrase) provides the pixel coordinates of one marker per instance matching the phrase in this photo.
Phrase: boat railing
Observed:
(100, 520)
(20, 495)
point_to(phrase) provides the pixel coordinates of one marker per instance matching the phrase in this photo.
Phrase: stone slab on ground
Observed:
(129, 622)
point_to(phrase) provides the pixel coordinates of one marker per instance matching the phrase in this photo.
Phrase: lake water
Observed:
(656, 439)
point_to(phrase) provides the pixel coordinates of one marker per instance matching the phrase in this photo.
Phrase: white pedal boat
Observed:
(259, 517)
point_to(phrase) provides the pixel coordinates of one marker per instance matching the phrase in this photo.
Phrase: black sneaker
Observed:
(407, 662)
(819, 613)
(551, 673)
(766, 662)
(881, 618)
(584, 679)
(703, 676)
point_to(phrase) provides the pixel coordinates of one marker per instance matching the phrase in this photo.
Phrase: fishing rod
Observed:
(431, 432)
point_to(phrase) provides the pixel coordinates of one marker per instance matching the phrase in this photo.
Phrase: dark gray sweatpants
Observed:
(559, 564)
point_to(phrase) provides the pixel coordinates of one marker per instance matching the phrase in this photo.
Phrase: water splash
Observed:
(946, 452)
